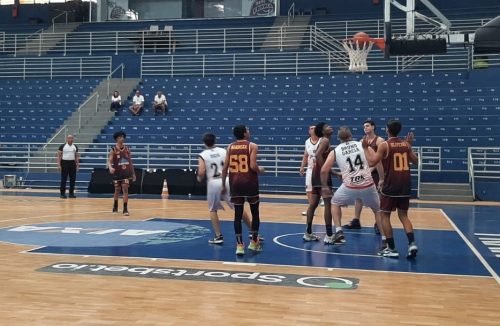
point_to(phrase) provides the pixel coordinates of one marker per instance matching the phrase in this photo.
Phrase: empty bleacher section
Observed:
(31, 110)
(452, 110)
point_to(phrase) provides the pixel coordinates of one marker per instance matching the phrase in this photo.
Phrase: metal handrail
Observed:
(64, 128)
(122, 66)
(277, 159)
(419, 173)
(46, 67)
(470, 163)
(96, 94)
(54, 20)
(291, 13)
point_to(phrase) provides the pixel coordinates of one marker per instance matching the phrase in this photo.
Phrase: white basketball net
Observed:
(357, 55)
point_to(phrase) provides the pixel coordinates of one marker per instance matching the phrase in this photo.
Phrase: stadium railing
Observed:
(278, 160)
(483, 165)
(80, 67)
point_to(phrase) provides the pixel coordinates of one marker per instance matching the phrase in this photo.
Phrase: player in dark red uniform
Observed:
(122, 169)
(395, 154)
(241, 163)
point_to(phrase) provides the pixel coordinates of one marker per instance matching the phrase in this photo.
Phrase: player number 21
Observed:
(238, 163)
(401, 162)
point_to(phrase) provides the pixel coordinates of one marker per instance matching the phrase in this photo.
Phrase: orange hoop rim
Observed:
(379, 42)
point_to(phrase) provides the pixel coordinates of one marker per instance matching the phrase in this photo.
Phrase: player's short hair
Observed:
(344, 134)
(371, 122)
(239, 132)
(318, 130)
(118, 134)
(209, 139)
(394, 127)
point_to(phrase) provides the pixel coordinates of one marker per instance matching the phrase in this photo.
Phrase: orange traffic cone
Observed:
(164, 191)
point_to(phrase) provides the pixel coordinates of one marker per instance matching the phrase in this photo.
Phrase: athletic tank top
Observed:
(121, 163)
(243, 181)
(214, 161)
(311, 152)
(397, 180)
(356, 172)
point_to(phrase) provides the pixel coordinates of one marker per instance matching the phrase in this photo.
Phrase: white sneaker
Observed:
(412, 251)
(321, 202)
(310, 237)
(387, 252)
(304, 213)
(328, 239)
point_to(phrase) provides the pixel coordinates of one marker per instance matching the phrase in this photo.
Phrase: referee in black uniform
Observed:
(68, 162)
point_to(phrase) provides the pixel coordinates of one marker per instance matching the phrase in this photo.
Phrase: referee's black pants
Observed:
(68, 168)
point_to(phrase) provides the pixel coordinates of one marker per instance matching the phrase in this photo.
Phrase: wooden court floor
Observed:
(29, 297)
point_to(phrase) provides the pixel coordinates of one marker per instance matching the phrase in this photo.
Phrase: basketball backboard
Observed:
(411, 42)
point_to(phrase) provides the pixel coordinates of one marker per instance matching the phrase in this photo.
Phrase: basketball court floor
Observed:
(73, 262)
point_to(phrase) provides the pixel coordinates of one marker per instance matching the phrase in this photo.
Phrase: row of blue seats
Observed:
(463, 120)
(443, 77)
(300, 130)
(39, 110)
(50, 82)
(31, 120)
(242, 90)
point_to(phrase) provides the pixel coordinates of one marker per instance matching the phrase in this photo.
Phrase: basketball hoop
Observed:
(358, 48)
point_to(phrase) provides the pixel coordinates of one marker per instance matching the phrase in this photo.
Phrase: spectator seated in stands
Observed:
(116, 101)
(160, 104)
(137, 104)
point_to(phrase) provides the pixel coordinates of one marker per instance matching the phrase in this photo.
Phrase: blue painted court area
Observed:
(441, 252)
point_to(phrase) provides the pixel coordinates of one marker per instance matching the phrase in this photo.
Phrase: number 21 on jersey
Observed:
(238, 163)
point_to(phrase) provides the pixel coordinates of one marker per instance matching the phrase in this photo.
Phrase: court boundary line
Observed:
(473, 249)
(30, 251)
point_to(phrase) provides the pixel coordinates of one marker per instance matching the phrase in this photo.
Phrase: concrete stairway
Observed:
(456, 192)
(40, 43)
(293, 34)
(92, 123)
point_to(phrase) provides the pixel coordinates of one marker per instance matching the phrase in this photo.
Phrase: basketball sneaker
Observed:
(115, 208)
(308, 237)
(328, 239)
(412, 251)
(217, 240)
(321, 202)
(261, 238)
(125, 212)
(388, 252)
(353, 225)
(255, 246)
(338, 238)
(240, 249)
(304, 213)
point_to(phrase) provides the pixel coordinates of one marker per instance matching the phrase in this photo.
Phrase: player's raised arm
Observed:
(253, 159)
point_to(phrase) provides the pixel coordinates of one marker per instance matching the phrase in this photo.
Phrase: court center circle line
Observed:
(276, 240)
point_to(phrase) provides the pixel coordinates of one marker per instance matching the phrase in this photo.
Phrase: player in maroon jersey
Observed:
(121, 167)
(373, 141)
(241, 165)
(395, 155)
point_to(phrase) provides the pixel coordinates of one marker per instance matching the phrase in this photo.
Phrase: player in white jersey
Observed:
(357, 181)
(210, 163)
